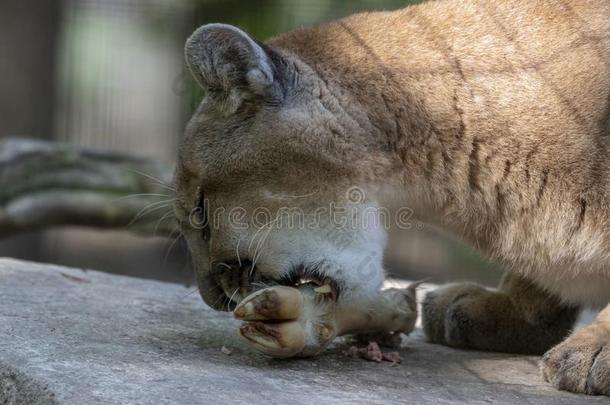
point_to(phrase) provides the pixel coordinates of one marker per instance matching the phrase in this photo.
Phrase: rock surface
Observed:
(76, 336)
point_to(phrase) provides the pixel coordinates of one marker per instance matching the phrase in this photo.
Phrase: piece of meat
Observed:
(372, 352)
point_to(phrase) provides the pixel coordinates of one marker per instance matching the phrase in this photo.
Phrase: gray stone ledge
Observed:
(88, 337)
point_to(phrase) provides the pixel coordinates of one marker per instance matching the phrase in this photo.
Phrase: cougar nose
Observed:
(211, 291)
(234, 278)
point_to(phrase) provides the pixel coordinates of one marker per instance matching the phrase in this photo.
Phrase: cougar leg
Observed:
(518, 317)
(581, 363)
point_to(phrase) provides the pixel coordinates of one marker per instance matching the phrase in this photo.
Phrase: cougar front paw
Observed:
(581, 363)
(455, 314)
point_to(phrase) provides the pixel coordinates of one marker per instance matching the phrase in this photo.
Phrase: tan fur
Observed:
(499, 117)
(489, 118)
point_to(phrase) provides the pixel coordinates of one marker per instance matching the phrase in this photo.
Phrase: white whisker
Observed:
(301, 196)
(171, 246)
(149, 208)
(231, 299)
(190, 293)
(261, 284)
(222, 296)
(140, 195)
(258, 250)
(237, 251)
(163, 218)
(270, 222)
(158, 181)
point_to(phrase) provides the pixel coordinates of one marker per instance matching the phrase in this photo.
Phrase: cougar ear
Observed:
(228, 62)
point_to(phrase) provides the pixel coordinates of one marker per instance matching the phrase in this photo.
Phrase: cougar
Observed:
(488, 119)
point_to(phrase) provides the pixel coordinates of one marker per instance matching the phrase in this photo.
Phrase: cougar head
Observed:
(277, 178)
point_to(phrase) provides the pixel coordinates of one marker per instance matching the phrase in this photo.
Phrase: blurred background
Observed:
(109, 74)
